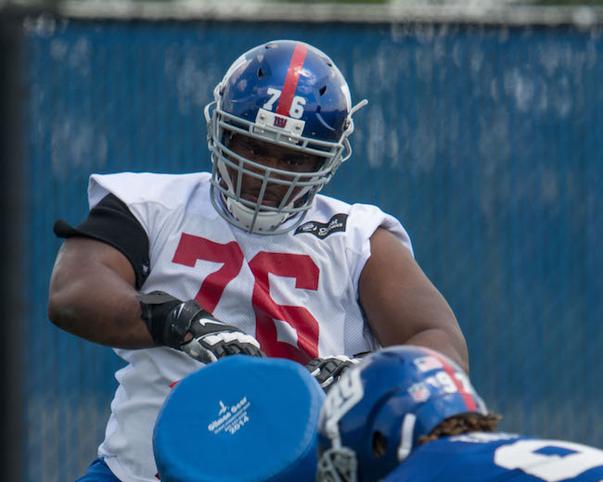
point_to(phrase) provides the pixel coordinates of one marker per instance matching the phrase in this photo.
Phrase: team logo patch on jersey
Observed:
(321, 230)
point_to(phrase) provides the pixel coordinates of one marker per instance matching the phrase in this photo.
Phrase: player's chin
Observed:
(271, 201)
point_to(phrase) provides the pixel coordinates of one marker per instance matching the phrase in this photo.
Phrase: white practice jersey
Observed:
(295, 292)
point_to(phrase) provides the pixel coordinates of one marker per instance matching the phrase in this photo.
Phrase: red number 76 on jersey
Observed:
(298, 266)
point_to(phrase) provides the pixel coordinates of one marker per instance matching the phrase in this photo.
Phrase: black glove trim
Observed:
(186, 326)
(167, 325)
(327, 370)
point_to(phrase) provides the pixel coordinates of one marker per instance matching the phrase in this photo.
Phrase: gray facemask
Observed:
(337, 465)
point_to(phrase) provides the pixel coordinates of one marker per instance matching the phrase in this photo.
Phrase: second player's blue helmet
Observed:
(288, 94)
(374, 416)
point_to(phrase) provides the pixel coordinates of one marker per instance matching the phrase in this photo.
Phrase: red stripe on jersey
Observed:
(297, 61)
(467, 397)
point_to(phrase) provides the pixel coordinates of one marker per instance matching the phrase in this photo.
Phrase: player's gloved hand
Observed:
(188, 327)
(326, 371)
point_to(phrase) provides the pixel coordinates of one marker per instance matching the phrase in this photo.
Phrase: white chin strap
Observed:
(264, 221)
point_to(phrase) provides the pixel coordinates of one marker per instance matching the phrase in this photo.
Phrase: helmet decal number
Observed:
(297, 107)
(442, 381)
(342, 397)
(274, 96)
(297, 104)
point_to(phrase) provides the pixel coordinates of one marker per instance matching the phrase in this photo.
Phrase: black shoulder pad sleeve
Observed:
(111, 222)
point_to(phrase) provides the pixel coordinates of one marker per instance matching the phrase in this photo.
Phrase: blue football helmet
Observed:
(375, 414)
(287, 94)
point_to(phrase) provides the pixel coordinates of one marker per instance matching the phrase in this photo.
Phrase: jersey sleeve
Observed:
(128, 211)
(363, 221)
(111, 222)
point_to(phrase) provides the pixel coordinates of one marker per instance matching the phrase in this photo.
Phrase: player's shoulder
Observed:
(329, 216)
(482, 438)
(330, 204)
(358, 220)
(479, 457)
(467, 457)
(170, 190)
(356, 214)
(568, 461)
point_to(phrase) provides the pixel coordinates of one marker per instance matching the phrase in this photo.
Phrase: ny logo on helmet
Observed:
(341, 398)
(280, 122)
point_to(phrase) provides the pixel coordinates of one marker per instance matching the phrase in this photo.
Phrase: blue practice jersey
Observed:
(480, 456)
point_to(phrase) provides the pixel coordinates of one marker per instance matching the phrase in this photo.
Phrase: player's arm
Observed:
(402, 305)
(93, 295)
(94, 292)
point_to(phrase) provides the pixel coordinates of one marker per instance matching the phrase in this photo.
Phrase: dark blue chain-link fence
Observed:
(486, 142)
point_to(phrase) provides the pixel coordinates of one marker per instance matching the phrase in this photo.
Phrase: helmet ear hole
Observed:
(260, 73)
(379, 444)
(322, 90)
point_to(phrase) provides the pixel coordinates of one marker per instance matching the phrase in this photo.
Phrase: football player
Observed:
(246, 259)
(410, 414)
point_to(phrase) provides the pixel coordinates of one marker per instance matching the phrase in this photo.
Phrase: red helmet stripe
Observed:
(467, 397)
(297, 61)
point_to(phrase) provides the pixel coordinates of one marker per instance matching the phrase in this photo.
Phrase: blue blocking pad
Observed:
(240, 419)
